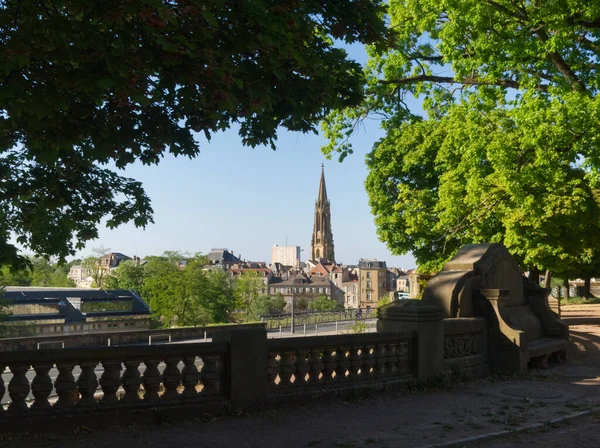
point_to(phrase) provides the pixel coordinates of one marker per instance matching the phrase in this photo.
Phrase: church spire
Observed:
(321, 245)
(322, 189)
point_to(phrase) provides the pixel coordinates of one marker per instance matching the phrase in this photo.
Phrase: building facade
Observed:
(372, 276)
(286, 255)
(321, 245)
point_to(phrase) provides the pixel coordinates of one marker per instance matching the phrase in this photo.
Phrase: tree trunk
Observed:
(567, 290)
(548, 281)
(586, 288)
(534, 275)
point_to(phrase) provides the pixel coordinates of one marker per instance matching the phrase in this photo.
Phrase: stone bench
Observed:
(522, 335)
(483, 280)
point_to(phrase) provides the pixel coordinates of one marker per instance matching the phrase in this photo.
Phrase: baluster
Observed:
(403, 361)
(288, 368)
(190, 377)
(302, 367)
(211, 375)
(131, 381)
(65, 385)
(2, 388)
(18, 388)
(152, 379)
(110, 382)
(368, 358)
(171, 379)
(41, 386)
(316, 366)
(355, 359)
(343, 364)
(392, 358)
(87, 384)
(380, 360)
(330, 363)
(272, 369)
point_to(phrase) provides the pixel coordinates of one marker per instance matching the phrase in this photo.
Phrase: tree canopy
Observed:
(505, 148)
(86, 85)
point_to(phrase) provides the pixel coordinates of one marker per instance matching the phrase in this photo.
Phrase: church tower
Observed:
(321, 245)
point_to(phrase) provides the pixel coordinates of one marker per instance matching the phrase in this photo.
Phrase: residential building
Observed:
(81, 276)
(112, 260)
(321, 245)
(75, 311)
(286, 255)
(373, 282)
(403, 282)
(223, 258)
(300, 287)
(84, 276)
(257, 270)
(351, 289)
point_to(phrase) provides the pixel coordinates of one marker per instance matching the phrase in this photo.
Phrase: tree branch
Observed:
(575, 20)
(465, 81)
(560, 64)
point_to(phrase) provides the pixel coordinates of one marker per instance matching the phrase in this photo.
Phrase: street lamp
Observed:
(293, 322)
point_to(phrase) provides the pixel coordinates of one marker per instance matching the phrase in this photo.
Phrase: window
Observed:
(369, 296)
(368, 275)
(368, 284)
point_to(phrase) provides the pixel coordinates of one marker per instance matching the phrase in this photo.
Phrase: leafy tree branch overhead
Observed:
(506, 149)
(87, 83)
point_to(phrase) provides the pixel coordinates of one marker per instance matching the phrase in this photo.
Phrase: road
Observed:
(301, 330)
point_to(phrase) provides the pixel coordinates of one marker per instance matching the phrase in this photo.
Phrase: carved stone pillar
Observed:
(110, 382)
(65, 385)
(171, 379)
(87, 384)
(426, 321)
(18, 388)
(151, 380)
(190, 377)
(41, 386)
(131, 381)
(211, 375)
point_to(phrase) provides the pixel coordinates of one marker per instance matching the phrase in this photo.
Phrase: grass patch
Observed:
(579, 301)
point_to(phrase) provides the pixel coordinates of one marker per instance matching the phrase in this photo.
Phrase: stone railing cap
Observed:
(412, 309)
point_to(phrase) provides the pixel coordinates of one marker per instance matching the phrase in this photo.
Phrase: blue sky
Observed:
(248, 199)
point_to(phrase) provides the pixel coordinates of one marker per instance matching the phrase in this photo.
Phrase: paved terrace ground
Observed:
(555, 407)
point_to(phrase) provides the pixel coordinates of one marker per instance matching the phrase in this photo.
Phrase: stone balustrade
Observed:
(130, 376)
(339, 361)
(240, 369)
